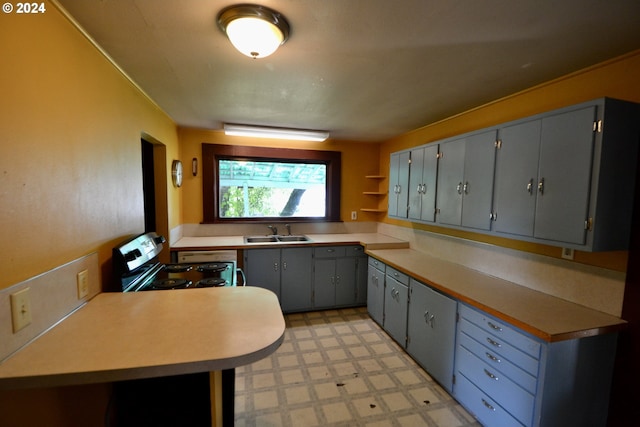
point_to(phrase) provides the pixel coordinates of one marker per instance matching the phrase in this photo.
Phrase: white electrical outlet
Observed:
(354, 215)
(83, 284)
(20, 309)
(567, 253)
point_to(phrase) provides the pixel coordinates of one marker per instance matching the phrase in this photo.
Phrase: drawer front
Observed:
(329, 251)
(400, 277)
(514, 399)
(488, 412)
(500, 329)
(499, 363)
(354, 250)
(500, 347)
(377, 264)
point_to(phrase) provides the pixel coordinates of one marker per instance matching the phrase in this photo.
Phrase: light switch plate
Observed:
(83, 284)
(20, 309)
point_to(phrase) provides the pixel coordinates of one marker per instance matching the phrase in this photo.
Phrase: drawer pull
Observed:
(490, 375)
(492, 357)
(494, 327)
(493, 343)
(488, 405)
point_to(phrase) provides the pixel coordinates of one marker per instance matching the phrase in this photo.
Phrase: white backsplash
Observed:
(593, 287)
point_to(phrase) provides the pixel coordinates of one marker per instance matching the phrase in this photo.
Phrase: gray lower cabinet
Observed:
(338, 276)
(285, 271)
(375, 290)
(396, 302)
(431, 330)
(506, 377)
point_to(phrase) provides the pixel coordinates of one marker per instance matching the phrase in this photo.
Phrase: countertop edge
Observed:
(612, 324)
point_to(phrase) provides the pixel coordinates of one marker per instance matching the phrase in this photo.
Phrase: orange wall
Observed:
(617, 78)
(70, 168)
(358, 160)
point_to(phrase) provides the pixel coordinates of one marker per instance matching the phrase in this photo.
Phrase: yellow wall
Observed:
(617, 78)
(70, 127)
(358, 160)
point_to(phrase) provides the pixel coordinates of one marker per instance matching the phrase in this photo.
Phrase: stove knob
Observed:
(130, 256)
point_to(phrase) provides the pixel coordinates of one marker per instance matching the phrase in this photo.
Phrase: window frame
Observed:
(211, 153)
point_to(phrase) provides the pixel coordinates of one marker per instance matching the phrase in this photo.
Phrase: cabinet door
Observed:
(564, 177)
(396, 297)
(262, 267)
(477, 188)
(361, 280)
(516, 178)
(422, 183)
(450, 177)
(398, 184)
(295, 278)
(375, 294)
(324, 286)
(345, 281)
(431, 330)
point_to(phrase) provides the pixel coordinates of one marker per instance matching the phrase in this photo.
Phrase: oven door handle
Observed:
(244, 278)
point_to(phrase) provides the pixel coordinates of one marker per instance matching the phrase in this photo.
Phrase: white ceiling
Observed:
(365, 70)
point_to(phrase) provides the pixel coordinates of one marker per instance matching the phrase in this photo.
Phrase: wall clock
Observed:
(176, 173)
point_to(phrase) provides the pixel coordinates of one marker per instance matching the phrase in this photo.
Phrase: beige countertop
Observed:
(120, 336)
(547, 317)
(368, 240)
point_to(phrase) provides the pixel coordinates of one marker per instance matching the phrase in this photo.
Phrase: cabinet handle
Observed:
(493, 343)
(492, 357)
(494, 327)
(459, 188)
(284, 265)
(426, 317)
(530, 186)
(275, 266)
(541, 186)
(431, 320)
(490, 375)
(488, 405)
(466, 187)
(337, 280)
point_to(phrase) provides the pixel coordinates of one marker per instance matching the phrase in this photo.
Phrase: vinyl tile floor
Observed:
(339, 368)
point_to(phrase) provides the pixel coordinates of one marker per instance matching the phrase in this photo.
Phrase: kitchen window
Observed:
(256, 184)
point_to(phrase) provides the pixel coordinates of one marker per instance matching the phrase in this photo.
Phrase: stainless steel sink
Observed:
(293, 238)
(276, 239)
(260, 239)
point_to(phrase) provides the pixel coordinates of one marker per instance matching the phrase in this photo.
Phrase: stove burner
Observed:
(170, 284)
(177, 268)
(211, 282)
(212, 268)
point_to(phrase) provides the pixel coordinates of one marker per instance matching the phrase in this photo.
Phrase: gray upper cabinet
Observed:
(398, 184)
(422, 183)
(465, 181)
(566, 178)
(563, 178)
(517, 178)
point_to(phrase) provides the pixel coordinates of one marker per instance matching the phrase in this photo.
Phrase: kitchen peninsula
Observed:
(122, 336)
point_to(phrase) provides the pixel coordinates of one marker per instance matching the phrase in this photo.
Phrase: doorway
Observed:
(154, 188)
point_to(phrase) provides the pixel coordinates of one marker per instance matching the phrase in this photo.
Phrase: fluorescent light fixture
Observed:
(275, 133)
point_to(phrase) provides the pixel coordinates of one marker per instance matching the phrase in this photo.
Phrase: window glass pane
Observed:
(250, 189)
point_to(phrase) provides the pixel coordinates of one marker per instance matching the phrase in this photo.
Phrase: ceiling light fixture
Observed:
(275, 133)
(256, 31)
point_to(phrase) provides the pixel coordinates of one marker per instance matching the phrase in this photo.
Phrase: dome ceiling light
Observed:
(256, 31)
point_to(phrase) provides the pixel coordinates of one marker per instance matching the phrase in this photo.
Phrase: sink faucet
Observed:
(288, 229)
(273, 229)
